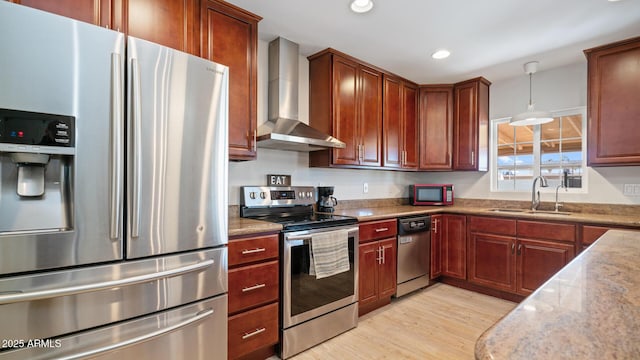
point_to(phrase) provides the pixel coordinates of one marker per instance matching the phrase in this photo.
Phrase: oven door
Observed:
(304, 296)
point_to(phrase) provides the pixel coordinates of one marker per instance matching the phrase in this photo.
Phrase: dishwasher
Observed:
(414, 246)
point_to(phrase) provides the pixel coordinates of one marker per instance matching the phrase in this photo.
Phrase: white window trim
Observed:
(493, 158)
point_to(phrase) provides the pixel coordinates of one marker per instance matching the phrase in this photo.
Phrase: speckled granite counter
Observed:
(241, 226)
(391, 209)
(379, 213)
(588, 310)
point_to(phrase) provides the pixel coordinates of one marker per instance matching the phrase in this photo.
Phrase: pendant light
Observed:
(531, 117)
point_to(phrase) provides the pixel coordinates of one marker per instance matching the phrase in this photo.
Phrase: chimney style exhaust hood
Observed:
(283, 130)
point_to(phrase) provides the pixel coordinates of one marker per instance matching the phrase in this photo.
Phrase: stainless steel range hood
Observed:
(284, 131)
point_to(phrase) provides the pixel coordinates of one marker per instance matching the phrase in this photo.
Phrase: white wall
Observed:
(554, 89)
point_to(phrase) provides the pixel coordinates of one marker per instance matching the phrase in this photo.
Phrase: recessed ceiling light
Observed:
(441, 54)
(361, 6)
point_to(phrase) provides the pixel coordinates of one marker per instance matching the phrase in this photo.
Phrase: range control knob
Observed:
(263, 195)
(252, 195)
(309, 194)
(301, 195)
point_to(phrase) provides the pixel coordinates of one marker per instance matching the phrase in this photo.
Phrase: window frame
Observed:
(537, 153)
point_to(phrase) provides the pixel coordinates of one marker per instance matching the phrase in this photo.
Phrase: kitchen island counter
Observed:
(588, 310)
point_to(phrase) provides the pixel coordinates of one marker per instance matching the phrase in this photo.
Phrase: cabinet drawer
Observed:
(252, 330)
(252, 249)
(545, 230)
(253, 285)
(492, 225)
(591, 233)
(374, 230)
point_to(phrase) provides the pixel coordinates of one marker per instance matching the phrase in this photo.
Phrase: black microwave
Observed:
(431, 194)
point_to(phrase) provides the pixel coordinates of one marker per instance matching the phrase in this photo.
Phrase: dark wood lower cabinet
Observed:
(492, 261)
(252, 330)
(537, 261)
(454, 246)
(517, 256)
(377, 274)
(436, 247)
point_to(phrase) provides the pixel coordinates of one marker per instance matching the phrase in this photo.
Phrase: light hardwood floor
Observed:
(439, 322)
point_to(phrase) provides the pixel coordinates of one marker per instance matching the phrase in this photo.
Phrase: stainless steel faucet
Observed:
(535, 201)
(563, 184)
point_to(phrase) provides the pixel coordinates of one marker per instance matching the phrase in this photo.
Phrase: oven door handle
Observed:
(299, 238)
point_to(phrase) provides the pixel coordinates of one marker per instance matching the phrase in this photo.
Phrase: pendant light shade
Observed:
(531, 117)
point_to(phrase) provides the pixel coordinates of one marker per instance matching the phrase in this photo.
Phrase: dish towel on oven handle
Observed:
(329, 253)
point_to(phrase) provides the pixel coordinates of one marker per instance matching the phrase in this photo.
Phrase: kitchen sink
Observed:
(509, 210)
(525, 211)
(549, 212)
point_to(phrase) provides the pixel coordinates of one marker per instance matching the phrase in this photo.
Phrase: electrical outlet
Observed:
(365, 188)
(631, 190)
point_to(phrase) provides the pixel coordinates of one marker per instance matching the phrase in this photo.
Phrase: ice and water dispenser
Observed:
(36, 171)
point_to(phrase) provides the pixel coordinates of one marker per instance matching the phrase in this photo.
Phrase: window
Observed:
(520, 153)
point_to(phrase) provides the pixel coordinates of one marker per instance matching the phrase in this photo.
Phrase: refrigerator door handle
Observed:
(20, 296)
(116, 145)
(136, 149)
(139, 339)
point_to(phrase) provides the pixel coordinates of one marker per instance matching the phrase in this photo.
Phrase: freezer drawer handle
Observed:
(79, 289)
(253, 333)
(141, 339)
(254, 287)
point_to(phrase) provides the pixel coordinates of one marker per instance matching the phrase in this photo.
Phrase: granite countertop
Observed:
(242, 226)
(588, 310)
(380, 213)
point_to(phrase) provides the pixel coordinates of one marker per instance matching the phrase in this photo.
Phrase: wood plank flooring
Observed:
(439, 322)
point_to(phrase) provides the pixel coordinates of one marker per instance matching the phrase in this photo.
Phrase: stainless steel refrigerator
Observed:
(113, 194)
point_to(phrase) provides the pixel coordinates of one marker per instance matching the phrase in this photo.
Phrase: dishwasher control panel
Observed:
(414, 224)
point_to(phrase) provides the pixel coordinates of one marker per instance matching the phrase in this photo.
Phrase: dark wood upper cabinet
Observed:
(435, 127)
(166, 22)
(212, 29)
(471, 125)
(613, 107)
(229, 36)
(97, 12)
(345, 101)
(399, 124)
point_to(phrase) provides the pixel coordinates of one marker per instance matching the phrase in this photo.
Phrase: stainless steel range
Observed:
(319, 265)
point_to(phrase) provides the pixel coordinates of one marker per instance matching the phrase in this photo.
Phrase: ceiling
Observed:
(490, 38)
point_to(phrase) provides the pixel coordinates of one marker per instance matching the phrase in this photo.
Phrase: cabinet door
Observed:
(471, 125)
(230, 37)
(410, 126)
(345, 122)
(591, 233)
(537, 261)
(97, 12)
(368, 272)
(613, 107)
(436, 128)
(165, 22)
(436, 246)
(492, 260)
(387, 268)
(369, 102)
(454, 246)
(392, 122)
